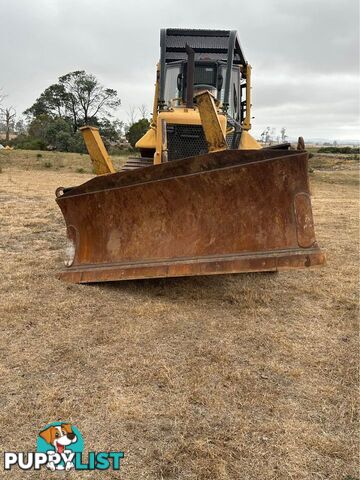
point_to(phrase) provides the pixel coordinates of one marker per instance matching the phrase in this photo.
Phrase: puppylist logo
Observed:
(60, 447)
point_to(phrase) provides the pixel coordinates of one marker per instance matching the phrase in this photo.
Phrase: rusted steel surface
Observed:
(224, 212)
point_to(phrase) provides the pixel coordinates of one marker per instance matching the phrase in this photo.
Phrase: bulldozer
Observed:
(204, 197)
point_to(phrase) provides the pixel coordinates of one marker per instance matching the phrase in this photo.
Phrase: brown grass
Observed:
(250, 376)
(58, 161)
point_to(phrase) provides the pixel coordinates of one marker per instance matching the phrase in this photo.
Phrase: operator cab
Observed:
(207, 76)
(192, 61)
(218, 66)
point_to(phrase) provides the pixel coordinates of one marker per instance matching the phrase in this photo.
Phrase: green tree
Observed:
(137, 130)
(78, 96)
(45, 132)
(59, 135)
(88, 96)
(76, 99)
(39, 126)
(52, 102)
(111, 130)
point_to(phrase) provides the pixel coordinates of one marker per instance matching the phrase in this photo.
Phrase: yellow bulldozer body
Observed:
(204, 198)
(182, 115)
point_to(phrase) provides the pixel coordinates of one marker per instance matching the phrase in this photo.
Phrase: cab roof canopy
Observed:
(207, 45)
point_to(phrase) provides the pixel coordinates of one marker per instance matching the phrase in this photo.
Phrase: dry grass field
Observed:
(250, 376)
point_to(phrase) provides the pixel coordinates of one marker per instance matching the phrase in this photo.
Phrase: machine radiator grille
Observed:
(188, 140)
(185, 141)
(229, 140)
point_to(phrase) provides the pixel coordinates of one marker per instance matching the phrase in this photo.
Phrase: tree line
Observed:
(54, 120)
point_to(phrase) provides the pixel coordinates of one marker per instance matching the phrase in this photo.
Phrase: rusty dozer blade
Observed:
(224, 212)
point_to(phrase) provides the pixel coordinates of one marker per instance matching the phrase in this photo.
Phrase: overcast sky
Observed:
(304, 53)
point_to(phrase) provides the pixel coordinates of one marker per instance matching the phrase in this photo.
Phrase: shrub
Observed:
(120, 151)
(137, 130)
(25, 142)
(63, 141)
(47, 164)
(77, 143)
(345, 150)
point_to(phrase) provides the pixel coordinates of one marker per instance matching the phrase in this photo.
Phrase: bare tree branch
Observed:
(131, 113)
(8, 115)
(143, 110)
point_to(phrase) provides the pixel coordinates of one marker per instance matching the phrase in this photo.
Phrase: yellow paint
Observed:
(95, 146)
(247, 121)
(156, 96)
(214, 134)
(247, 142)
(179, 116)
(211, 118)
(148, 140)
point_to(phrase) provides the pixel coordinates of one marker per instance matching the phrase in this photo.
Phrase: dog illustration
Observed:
(59, 437)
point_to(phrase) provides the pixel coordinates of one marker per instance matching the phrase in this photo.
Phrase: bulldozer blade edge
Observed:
(225, 212)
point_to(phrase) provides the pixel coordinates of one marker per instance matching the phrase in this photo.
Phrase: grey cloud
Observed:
(305, 53)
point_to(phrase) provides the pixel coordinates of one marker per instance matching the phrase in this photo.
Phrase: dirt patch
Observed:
(238, 376)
